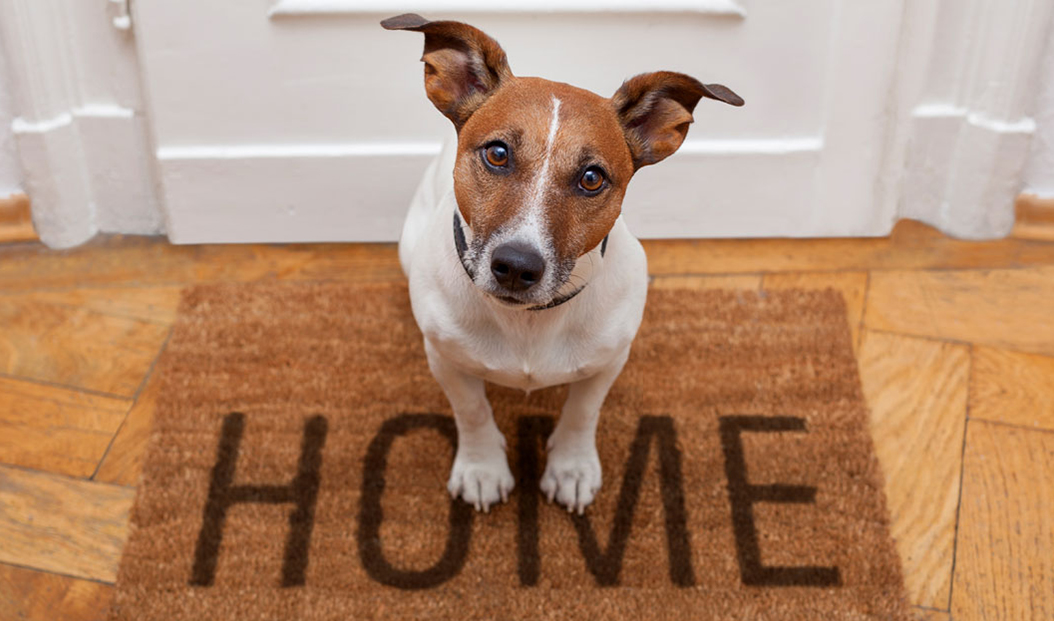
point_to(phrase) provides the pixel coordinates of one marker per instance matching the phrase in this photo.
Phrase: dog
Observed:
(521, 269)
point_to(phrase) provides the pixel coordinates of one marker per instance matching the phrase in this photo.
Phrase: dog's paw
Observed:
(481, 475)
(572, 473)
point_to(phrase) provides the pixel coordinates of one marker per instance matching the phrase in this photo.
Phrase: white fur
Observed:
(471, 338)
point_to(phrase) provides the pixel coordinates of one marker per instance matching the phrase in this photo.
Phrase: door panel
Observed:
(303, 120)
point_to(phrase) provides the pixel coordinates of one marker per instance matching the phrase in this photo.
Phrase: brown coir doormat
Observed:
(298, 466)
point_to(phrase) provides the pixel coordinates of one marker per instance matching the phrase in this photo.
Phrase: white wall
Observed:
(10, 169)
(1039, 175)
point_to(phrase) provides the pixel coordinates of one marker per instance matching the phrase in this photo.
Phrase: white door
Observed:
(303, 120)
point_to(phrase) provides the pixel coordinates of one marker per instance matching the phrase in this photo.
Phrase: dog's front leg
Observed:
(481, 474)
(572, 470)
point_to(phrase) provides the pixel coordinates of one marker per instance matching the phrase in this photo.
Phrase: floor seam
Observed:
(135, 400)
(80, 389)
(962, 475)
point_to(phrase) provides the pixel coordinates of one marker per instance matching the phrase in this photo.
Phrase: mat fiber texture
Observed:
(298, 466)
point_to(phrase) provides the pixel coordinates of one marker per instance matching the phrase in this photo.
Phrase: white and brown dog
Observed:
(522, 271)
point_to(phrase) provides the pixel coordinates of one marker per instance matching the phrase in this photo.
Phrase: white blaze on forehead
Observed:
(530, 225)
(542, 180)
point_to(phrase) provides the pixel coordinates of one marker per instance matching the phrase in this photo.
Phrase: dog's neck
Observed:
(585, 268)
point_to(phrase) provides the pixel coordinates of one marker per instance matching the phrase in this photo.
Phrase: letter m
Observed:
(605, 565)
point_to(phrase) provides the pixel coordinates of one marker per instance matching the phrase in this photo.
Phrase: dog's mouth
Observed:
(511, 301)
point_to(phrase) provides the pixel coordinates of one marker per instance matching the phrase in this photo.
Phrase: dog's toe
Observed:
(482, 483)
(572, 477)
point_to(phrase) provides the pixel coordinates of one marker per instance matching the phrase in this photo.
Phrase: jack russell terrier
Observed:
(521, 269)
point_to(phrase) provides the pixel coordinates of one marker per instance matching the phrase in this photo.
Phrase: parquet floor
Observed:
(955, 342)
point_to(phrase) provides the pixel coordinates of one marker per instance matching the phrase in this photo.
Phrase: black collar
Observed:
(462, 246)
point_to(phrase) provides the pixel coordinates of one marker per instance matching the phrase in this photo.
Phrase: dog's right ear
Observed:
(463, 65)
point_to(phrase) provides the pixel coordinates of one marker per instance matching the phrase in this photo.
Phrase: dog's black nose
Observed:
(516, 266)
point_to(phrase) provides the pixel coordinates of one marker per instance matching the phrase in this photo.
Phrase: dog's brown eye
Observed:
(591, 180)
(497, 154)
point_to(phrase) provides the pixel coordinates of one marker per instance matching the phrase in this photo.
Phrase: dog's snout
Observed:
(516, 266)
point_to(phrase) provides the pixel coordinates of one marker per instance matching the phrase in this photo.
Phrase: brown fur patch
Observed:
(463, 65)
(655, 110)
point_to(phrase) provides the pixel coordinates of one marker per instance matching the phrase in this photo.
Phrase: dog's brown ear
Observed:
(463, 65)
(655, 110)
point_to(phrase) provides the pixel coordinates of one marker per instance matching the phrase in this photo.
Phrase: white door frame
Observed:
(81, 135)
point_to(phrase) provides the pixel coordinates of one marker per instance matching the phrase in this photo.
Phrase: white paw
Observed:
(572, 472)
(481, 475)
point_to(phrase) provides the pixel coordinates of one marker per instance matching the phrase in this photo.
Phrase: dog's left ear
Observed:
(655, 110)
(463, 65)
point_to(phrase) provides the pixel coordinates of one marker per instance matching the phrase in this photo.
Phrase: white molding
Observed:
(37, 39)
(968, 122)
(350, 149)
(294, 8)
(83, 148)
(775, 146)
(1025, 125)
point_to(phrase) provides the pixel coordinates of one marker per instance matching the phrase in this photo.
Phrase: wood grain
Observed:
(27, 595)
(16, 221)
(131, 261)
(117, 261)
(56, 429)
(1011, 387)
(917, 391)
(1010, 309)
(737, 281)
(1034, 217)
(76, 347)
(926, 614)
(62, 525)
(912, 245)
(852, 286)
(151, 304)
(124, 461)
(1005, 559)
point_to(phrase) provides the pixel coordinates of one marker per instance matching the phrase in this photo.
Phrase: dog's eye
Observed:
(592, 179)
(497, 154)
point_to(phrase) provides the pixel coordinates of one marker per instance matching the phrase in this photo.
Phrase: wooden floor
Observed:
(955, 342)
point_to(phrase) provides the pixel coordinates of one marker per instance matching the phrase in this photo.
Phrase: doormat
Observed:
(298, 464)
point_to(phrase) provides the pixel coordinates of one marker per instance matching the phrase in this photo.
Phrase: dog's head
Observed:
(542, 166)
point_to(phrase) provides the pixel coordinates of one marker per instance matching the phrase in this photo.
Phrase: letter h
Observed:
(302, 492)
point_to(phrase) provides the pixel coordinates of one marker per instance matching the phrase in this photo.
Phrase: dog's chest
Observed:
(530, 360)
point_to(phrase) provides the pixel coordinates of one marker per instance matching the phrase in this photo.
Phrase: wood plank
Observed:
(737, 281)
(16, 221)
(1011, 387)
(917, 391)
(927, 614)
(76, 347)
(152, 304)
(1010, 309)
(124, 461)
(118, 261)
(912, 245)
(1005, 559)
(852, 286)
(63, 525)
(56, 429)
(27, 595)
(1034, 217)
